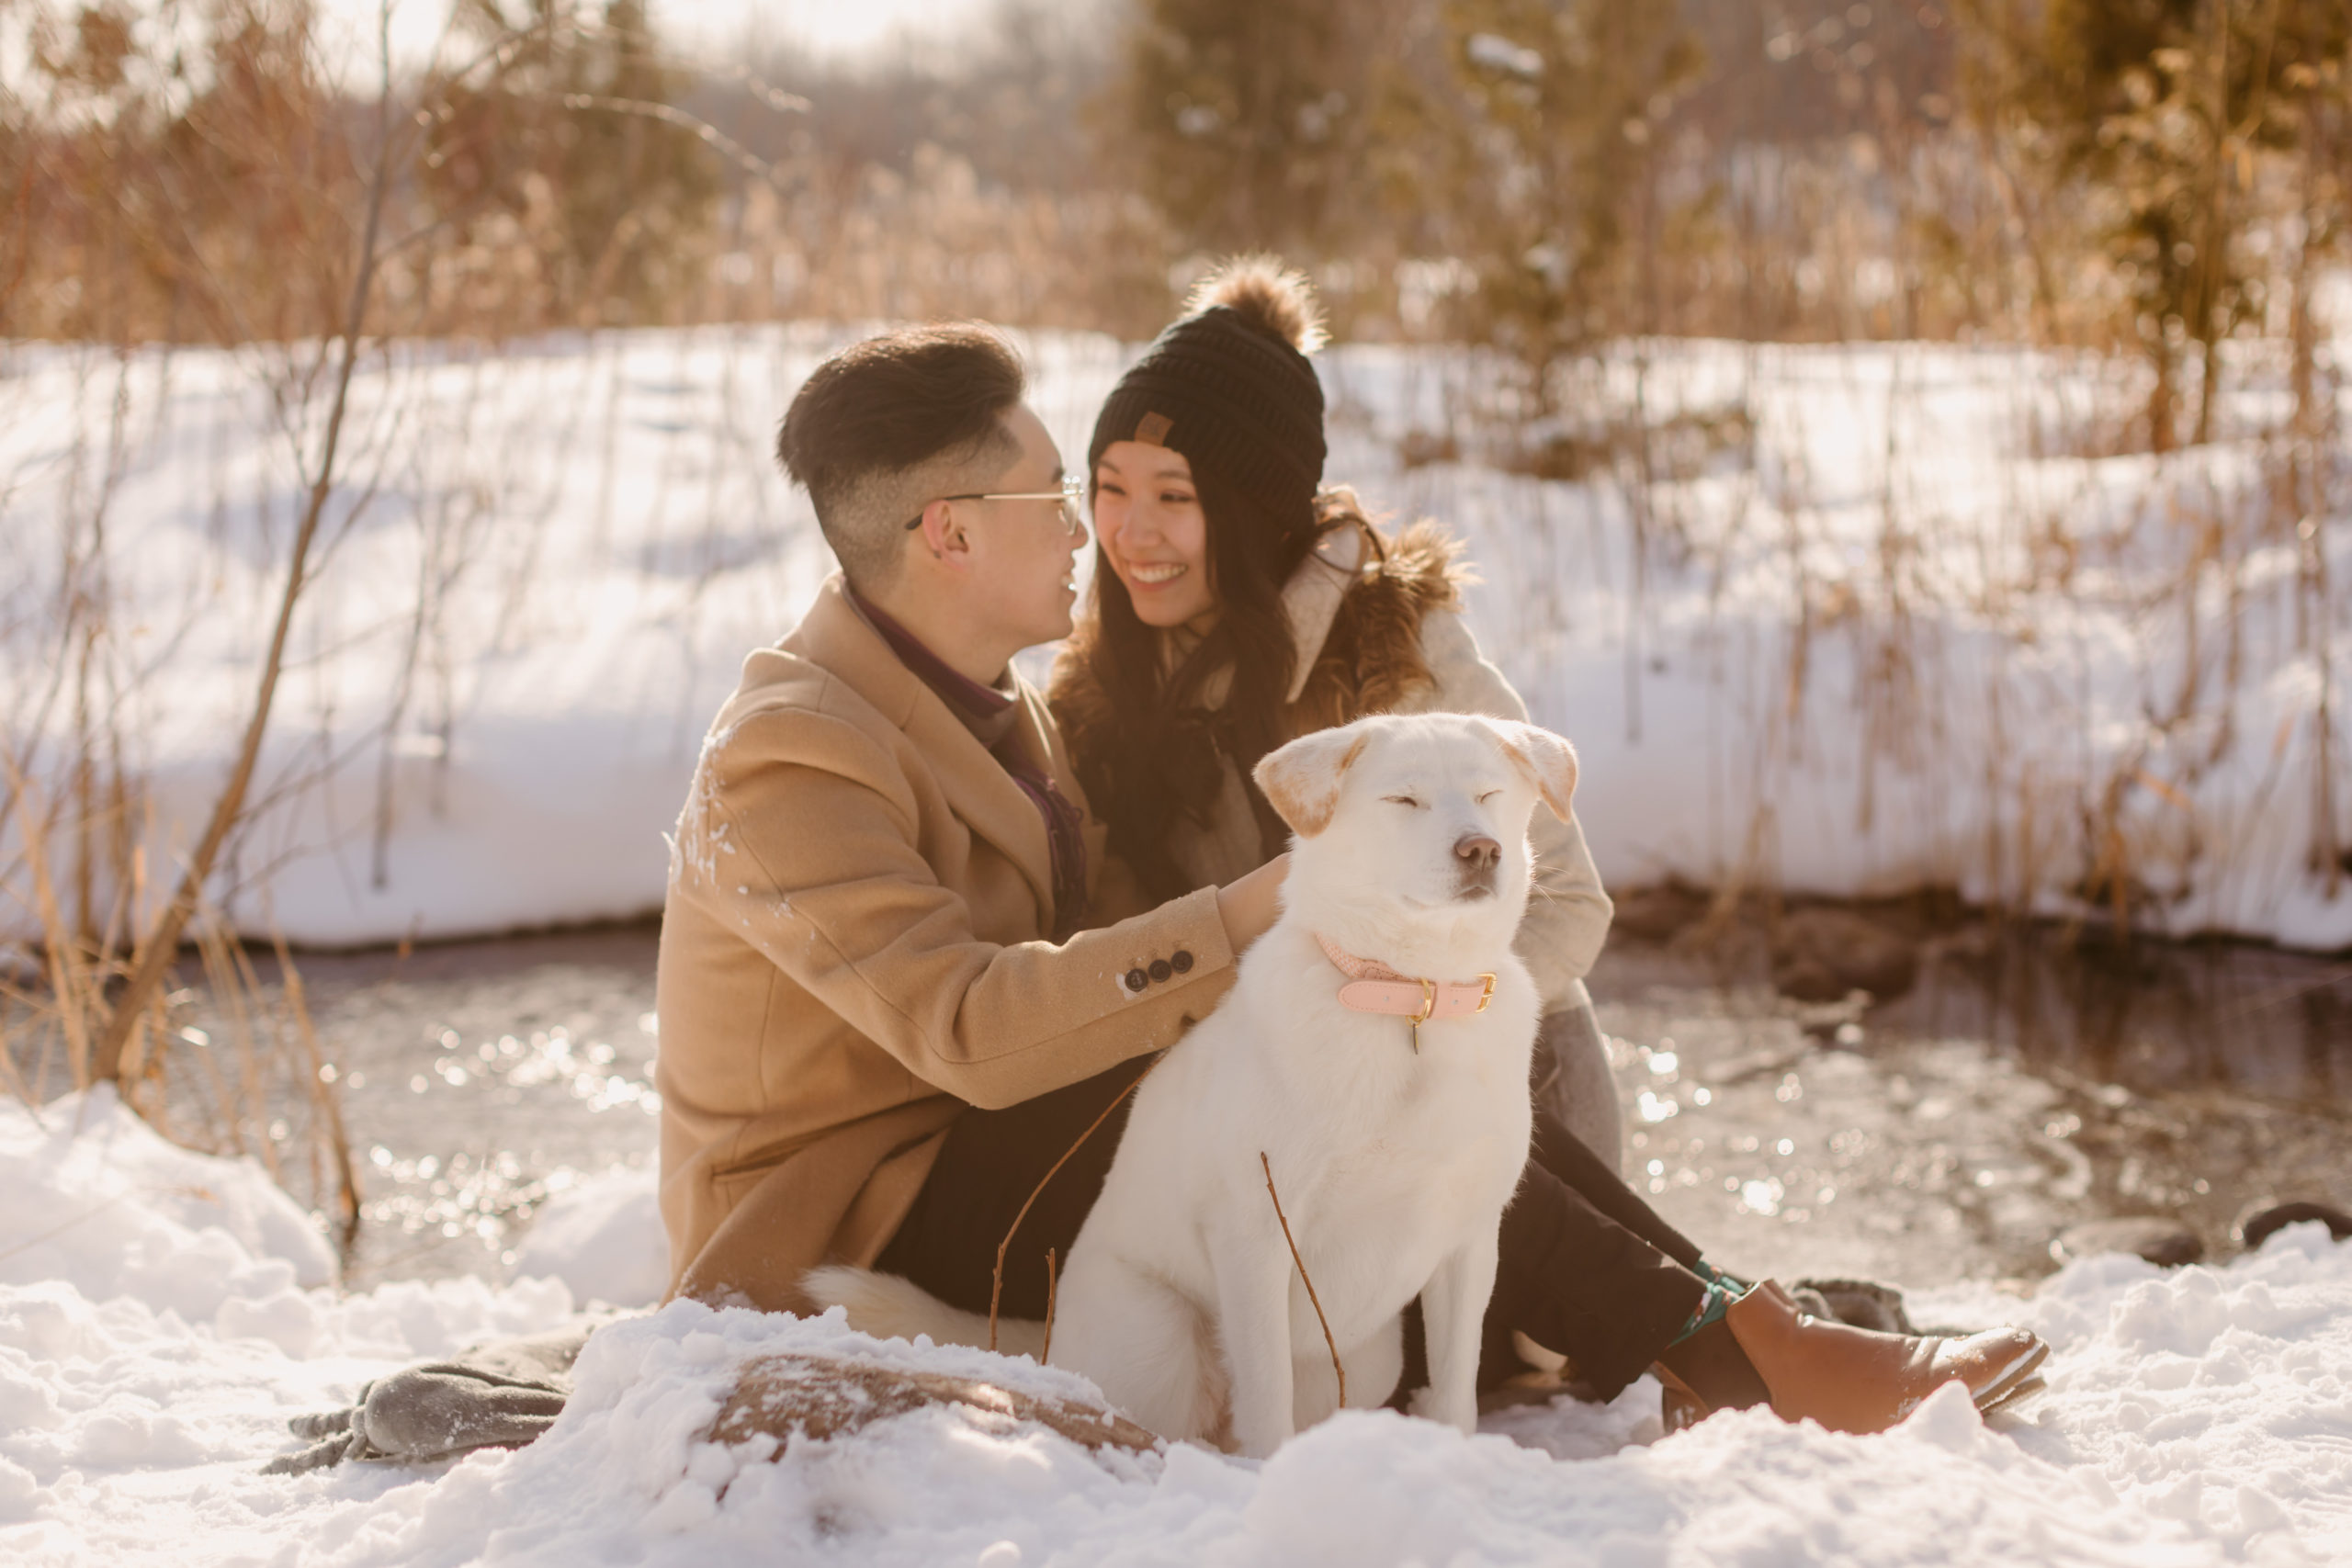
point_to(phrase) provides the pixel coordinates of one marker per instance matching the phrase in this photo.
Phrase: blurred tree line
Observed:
(198, 170)
(2154, 176)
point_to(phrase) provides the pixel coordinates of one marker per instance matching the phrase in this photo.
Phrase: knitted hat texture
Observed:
(1228, 385)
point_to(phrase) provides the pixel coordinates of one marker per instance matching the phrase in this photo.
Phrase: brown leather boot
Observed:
(1848, 1378)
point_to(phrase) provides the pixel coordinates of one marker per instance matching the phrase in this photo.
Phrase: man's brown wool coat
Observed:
(854, 949)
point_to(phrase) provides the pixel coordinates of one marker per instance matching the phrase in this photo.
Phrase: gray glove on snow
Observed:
(502, 1394)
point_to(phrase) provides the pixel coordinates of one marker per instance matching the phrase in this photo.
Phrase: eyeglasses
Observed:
(1072, 495)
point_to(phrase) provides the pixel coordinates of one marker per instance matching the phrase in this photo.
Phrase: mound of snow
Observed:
(2197, 1417)
(2220, 1397)
(626, 1474)
(97, 1199)
(162, 1313)
(603, 1237)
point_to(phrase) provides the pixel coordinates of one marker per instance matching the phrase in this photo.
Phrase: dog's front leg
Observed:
(1253, 1276)
(1454, 1309)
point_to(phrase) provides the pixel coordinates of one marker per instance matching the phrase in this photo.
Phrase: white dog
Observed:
(1373, 1054)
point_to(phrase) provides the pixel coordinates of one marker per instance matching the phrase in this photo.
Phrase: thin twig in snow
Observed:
(1312, 1299)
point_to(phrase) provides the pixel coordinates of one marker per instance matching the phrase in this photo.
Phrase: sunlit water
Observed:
(2024, 1086)
(2027, 1085)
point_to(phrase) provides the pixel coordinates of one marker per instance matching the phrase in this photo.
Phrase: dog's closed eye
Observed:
(1403, 800)
(1489, 796)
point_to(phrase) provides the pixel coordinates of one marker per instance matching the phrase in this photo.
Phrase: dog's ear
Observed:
(1302, 779)
(1549, 762)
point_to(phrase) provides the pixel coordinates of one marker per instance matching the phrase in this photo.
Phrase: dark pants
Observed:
(1586, 1268)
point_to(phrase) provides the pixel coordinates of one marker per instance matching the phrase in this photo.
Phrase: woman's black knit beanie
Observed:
(1228, 385)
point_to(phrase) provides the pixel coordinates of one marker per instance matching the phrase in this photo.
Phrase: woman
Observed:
(1212, 645)
(1237, 604)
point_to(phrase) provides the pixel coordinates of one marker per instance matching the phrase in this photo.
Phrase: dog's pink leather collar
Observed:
(1376, 987)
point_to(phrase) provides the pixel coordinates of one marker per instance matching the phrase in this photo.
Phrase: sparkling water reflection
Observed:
(2021, 1090)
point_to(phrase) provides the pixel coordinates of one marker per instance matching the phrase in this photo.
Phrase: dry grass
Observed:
(261, 1083)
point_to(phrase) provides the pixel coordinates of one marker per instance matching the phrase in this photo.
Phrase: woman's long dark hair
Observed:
(1151, 755)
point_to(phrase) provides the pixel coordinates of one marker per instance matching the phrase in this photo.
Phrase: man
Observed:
(883, 857)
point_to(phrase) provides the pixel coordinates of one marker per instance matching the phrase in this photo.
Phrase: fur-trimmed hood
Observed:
(1355, 608)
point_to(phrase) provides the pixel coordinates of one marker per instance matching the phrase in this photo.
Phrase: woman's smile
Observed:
(1154, 535)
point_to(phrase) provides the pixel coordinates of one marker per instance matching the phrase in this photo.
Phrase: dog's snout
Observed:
(1477, 852)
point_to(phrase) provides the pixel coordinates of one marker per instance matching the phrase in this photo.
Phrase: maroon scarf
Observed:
(992, 717)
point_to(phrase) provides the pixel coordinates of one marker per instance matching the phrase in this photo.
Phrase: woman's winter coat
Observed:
(1374, 634)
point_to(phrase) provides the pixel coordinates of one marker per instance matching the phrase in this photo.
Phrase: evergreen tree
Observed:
(1251, 125)
(1567, 101)
(2160, 109)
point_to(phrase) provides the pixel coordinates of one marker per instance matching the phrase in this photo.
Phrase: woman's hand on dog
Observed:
(1249, 906)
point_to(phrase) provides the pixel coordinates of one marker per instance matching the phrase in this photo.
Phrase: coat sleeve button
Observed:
(1161, 969)
(1180, 961)
(1136, 980)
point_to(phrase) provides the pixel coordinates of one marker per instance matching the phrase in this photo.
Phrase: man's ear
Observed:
(1549, 762)
(1302, 779)
(943, 533)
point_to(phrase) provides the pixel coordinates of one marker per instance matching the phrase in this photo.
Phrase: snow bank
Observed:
(161, 1313)
(1895, 649)
(2199, 1416)
(2196, 1417)
(603, 1237)
(96, 1197)
(1888, 642)
(2218, 1398)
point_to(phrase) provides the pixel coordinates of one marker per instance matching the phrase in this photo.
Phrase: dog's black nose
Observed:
(1477, 852)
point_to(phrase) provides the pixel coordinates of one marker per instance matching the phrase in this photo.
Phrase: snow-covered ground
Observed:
(163, 1312)
(1887, 646)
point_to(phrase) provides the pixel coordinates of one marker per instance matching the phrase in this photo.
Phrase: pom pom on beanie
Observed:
(1277, 301)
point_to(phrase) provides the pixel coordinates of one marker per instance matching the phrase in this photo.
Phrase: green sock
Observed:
(1722, 1291)
(1714, 1276)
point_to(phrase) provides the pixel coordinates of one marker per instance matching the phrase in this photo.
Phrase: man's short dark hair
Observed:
(888, 425)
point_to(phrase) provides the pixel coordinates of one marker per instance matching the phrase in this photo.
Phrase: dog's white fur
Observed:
(1181, 1300)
